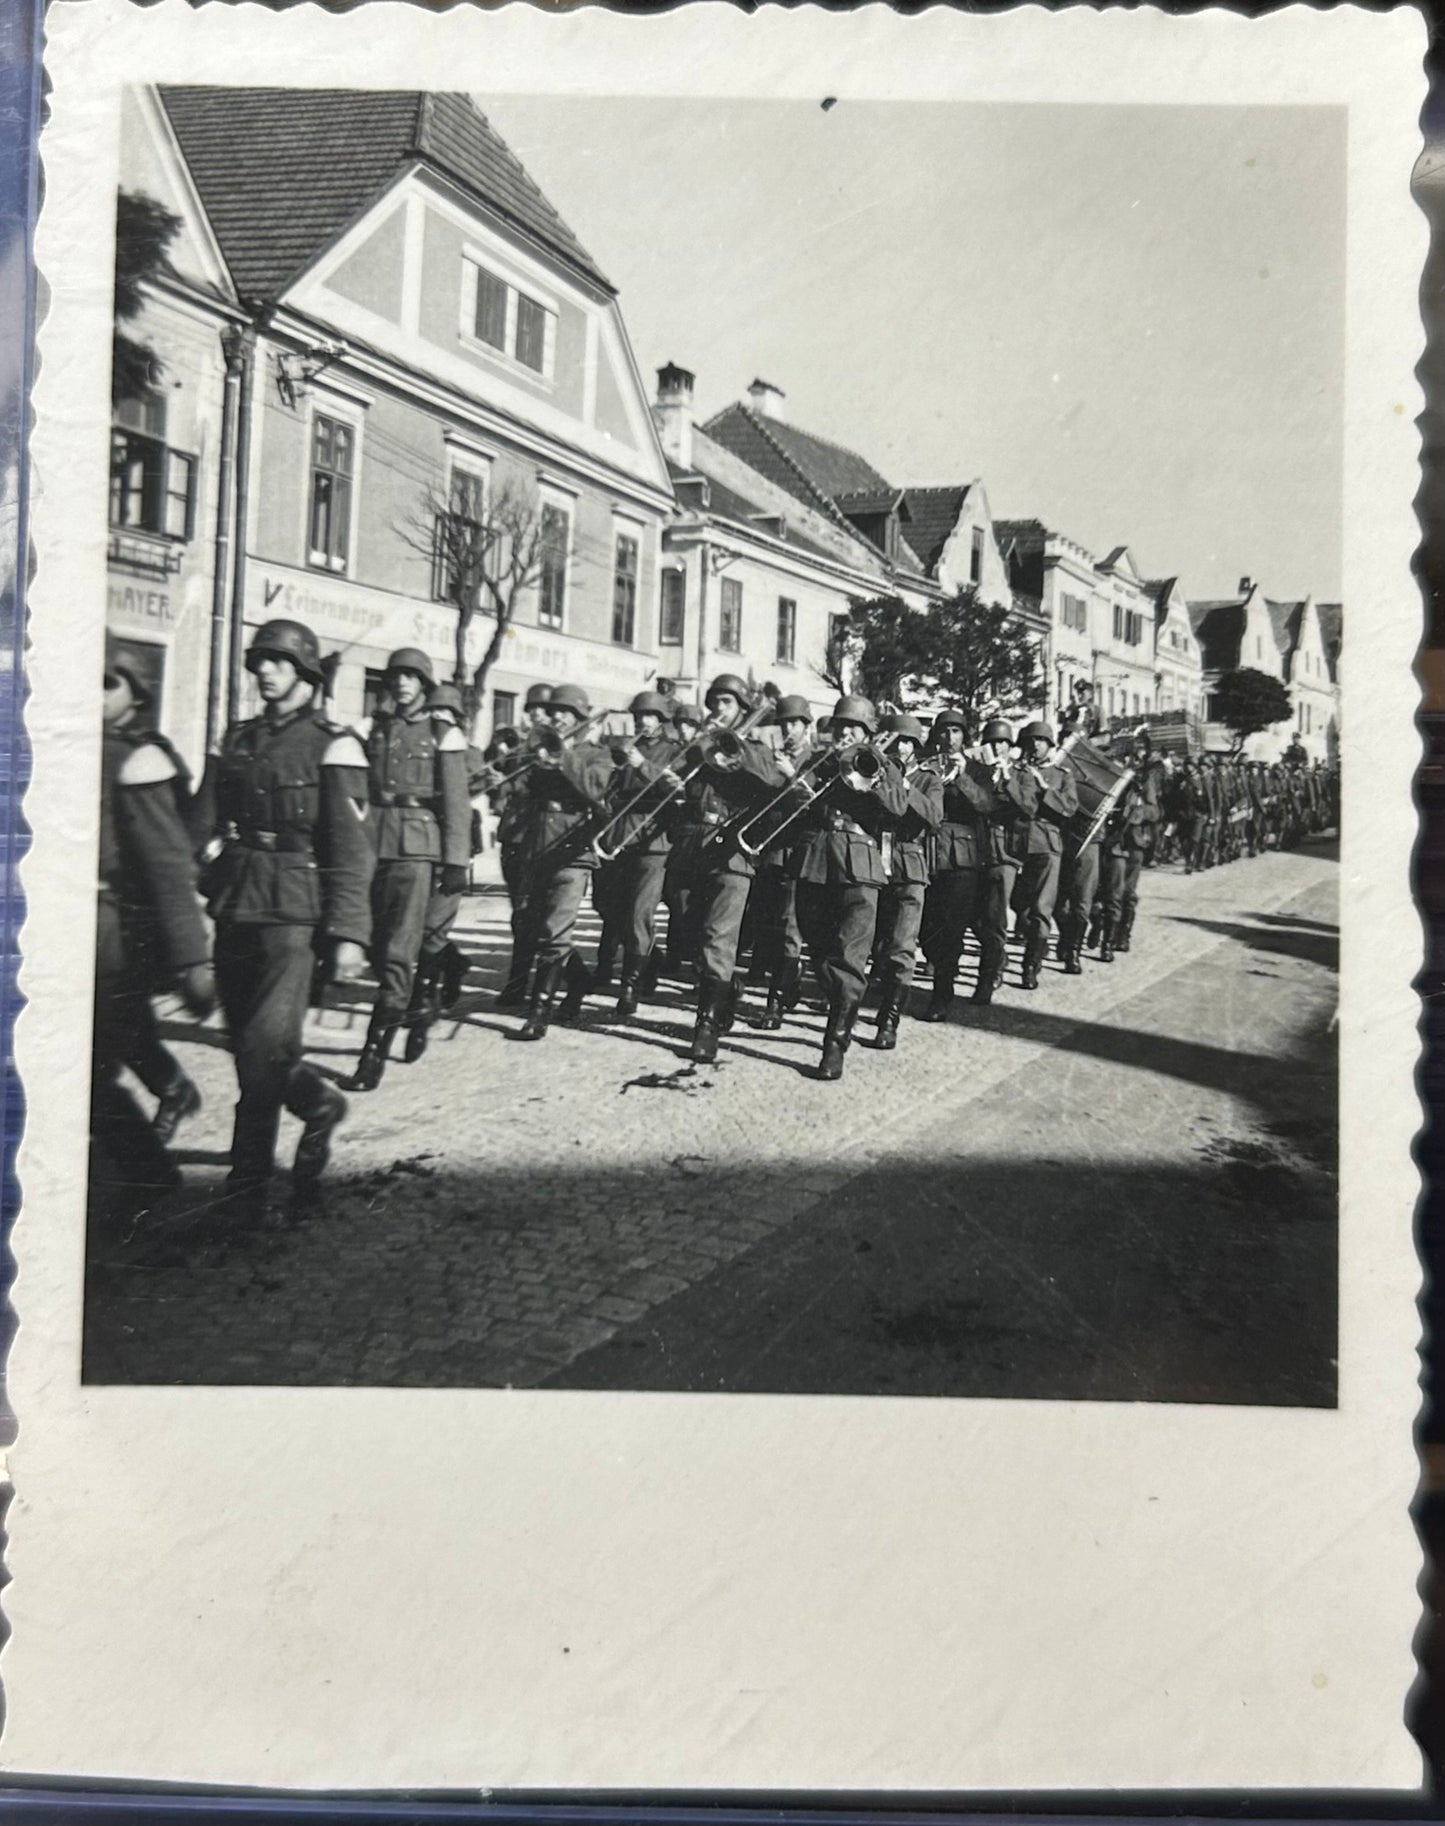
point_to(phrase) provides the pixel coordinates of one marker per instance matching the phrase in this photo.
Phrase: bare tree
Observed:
(486, 548)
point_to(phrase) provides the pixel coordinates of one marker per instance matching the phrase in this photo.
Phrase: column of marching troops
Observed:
(840, 847)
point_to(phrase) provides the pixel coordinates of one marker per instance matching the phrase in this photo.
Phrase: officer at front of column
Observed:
(284, 816)
(421, 823)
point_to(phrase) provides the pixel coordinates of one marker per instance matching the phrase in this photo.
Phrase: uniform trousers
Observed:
(839, 920)
(441, 916)
(677, 894)
(123, 1034)
(263, 974)
(719, 900)
(401, 892)
(959, 900)
(607, 900)
(773, 905)
(900, 920)
(555, 899)
(1036, 893)
(637, 887)
(1119, 883)
(1078, 889)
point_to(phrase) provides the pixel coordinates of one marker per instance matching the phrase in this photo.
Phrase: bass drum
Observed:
(1095, 774)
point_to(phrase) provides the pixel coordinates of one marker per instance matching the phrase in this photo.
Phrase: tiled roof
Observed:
(871, 501)
(1021, 532)
(1159, 588)
(726, 503)
(1219, 629)
(932, 515)
(282, 172)
(1285, 619)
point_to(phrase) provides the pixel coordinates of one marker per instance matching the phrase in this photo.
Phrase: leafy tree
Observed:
(486, 551)
(144, 230)
(962, 651)
(1247, 701)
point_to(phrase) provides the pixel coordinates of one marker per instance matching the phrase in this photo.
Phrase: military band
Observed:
(769, 840)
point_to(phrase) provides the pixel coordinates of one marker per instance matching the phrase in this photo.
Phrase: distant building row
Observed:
(370, 308)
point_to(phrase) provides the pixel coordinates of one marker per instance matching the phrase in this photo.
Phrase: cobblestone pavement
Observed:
(503, 1214)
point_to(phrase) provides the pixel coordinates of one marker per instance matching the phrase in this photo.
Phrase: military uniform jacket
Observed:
(914, 828)
(146, 866)
(979, 818)
(561, 807)
(421, 806)
(717, 797)
(849, 834)
(1130, 830)
(288, 800)
(1047, 804)
(658, 753)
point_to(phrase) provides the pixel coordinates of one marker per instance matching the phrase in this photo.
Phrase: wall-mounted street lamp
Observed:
(296, 369)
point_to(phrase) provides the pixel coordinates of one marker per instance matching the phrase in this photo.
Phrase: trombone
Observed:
(865, 758)
(709, 742)
(550, 742)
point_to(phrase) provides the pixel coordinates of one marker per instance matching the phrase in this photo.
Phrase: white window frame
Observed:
(566, 504)
(341, 411)
(636, 530)
(474, 259)
(462, 460)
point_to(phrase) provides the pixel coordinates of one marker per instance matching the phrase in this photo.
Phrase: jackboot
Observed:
(792, 984)
(628, 995)
(888, 1012)
(371, 1065)
(426, 1006)
(1073, 965)
(178, 1100)
(514, 990)
(830, 1066)
(1033, 958)
(578, 981)
(1096, 925)
(606, 965)
(990, 972)
(705, 1035)
(454, 967)
(940, 1001)
(727, 1007)
(651, 971)
(1106, 942)
(544, 995)
(1126, 927)
(313, 1150)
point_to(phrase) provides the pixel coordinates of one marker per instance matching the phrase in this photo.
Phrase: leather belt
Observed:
(406, 802)
(272, 842)
(840, 821)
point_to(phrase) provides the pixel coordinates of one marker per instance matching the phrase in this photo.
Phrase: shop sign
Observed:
(140, 607)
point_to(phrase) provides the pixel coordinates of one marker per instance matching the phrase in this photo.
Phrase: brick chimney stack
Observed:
(767, 398)
(1246, 584)
(672, 414)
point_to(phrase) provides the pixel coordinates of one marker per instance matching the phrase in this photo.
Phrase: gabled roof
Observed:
(282, 172)
(1286, 619)
(1332, 627)
(1161, 588)
(1021, 533)
(933, 513)
(725, 503)
(1219, 629)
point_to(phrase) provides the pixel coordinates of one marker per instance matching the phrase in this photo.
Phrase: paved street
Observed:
(1121, 1187)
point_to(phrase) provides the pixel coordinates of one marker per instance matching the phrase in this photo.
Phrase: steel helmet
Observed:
(121, 662)
(855, 710)
(570, 697)
(291, 640)
(688, 713)
(792, 710)
(412, 659)
(1037, 732)
(648, 703)
(730, 683)
(445, 697)
(537, 696)
(996, 730)
(897, 722)
(950, 719)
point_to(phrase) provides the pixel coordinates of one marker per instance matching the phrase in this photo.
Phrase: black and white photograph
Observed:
(718, 1027)
(721, 766)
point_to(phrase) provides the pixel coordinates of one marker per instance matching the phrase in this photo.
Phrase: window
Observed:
(1075, 613)
(531, 333)
(975, 557)
(674, 604)
(460, 536)
(787, 630)
(1118, 622)
(624, 591)
(152, 487)
(730, 616)
(501, 317)
(491, 311)
(333, 457)
(504, 710)
(373, 690)
(556, 531)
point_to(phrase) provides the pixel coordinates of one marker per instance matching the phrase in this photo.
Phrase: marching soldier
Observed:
(1051, 799)
(1127, 836)
(508, 803)
(638, 873)
(735, 771)
(681, 947)
(442, 966)
(900, 904)
(421, 825)
(773, 903)
(149, 936)
(564, 793)
(974, 857)
(841, 871)
(284, 807)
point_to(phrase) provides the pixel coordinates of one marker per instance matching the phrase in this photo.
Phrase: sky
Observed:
(1127, 321)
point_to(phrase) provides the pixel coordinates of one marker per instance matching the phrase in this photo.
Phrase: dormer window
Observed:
(506, 320)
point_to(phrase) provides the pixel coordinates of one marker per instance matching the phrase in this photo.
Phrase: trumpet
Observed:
(865, 758)
(709, 742)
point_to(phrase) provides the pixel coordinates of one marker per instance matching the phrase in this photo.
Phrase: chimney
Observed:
(1246, 584)
(767, 398)
(673, 413)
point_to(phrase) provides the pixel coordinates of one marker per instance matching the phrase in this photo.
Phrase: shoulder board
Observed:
(345, 751)
(450, 739)
(148, 765)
